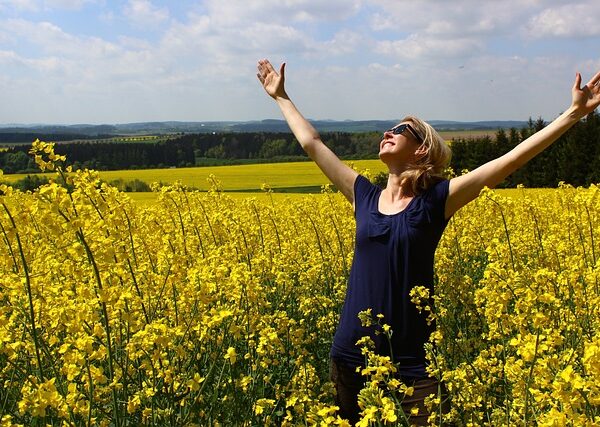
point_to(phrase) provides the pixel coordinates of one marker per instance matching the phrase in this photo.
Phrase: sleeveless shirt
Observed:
(392, 254)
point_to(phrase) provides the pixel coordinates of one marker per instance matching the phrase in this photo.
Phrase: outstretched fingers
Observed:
(595, 81)
(268, 66)
(591, 93)
(264, 69)
(577, 84)
(587, 97)
(593, 90)
(261, 73)
(270, 79)
(282, 70)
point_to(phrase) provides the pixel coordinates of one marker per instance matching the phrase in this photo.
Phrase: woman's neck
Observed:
(397, 188)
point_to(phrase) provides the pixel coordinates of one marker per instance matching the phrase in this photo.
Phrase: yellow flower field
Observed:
(144, 198)
(201, 309)
(234, 178)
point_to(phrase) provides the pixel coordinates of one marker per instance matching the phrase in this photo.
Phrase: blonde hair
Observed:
(429, 168)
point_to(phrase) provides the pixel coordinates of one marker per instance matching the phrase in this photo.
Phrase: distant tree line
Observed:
(31, 182)
(192, 150)
(8, 136)
(574, 159)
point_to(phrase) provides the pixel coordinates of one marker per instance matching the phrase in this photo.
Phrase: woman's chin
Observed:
(384, 155)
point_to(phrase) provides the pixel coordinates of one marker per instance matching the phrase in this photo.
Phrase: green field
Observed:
(288, 180)
(302, 176)
(448, 135)
(123, 139)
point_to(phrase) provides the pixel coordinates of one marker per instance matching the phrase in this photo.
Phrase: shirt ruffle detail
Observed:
(417, 215)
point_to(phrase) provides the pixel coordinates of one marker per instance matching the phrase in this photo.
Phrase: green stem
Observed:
(10, 250)
(530, 376)
(260, 229)
(208, 222)
(104, 310)
(340, 242)
(512, 259)
(591, 235)
(91, 392)
(314, 226)
(276, 232)
(193, 222)
(29, 294)
(130, 238)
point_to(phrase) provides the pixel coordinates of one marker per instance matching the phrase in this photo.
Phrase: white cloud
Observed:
(416, 46)
(283, 12)
(19, 5)
(461, 29)
(144, 13)
(241, 31)
(53, 40)
(7, 56)
(66, 4)
(355, 59)
(45, 35)
(40, 5)
(209, 41)
(81, 66)
(454, 18)
(572, 20)
(261, 37)
(507, 18)
(344, 42)
(439, 30)
(134, 43)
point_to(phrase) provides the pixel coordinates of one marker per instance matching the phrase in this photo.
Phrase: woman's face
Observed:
(400, 142)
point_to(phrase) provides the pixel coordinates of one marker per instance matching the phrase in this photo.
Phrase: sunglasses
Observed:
(398, 130)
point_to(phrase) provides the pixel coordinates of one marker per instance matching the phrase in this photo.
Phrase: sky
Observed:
(101, 61)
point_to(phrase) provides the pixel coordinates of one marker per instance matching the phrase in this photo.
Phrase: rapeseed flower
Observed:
(204, 310)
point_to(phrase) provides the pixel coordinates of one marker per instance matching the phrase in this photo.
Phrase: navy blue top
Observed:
(392, 254)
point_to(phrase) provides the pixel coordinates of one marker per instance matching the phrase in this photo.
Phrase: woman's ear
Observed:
(421, 151)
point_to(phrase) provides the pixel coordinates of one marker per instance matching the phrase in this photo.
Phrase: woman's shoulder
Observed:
(364, 189)
(362, 183)
(438, 187)
(434, 195)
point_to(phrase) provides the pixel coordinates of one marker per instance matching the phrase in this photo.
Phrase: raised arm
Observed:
(340, 174)
(465, 188)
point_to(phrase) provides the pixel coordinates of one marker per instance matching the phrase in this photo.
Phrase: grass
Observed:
(123, 139)
(448, 135)
(280, 176)
(288, 180)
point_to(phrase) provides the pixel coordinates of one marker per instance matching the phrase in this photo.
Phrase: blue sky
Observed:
(101, 61)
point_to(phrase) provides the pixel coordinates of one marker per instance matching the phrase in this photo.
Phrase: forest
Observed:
(573, 159)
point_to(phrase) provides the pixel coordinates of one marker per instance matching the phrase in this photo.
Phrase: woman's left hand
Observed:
(272, 82)
(587, 98)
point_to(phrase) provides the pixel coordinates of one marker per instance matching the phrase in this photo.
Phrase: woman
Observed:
(398, 229)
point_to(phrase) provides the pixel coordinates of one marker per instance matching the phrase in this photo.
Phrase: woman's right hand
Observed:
(587, 98)
(272, 82)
